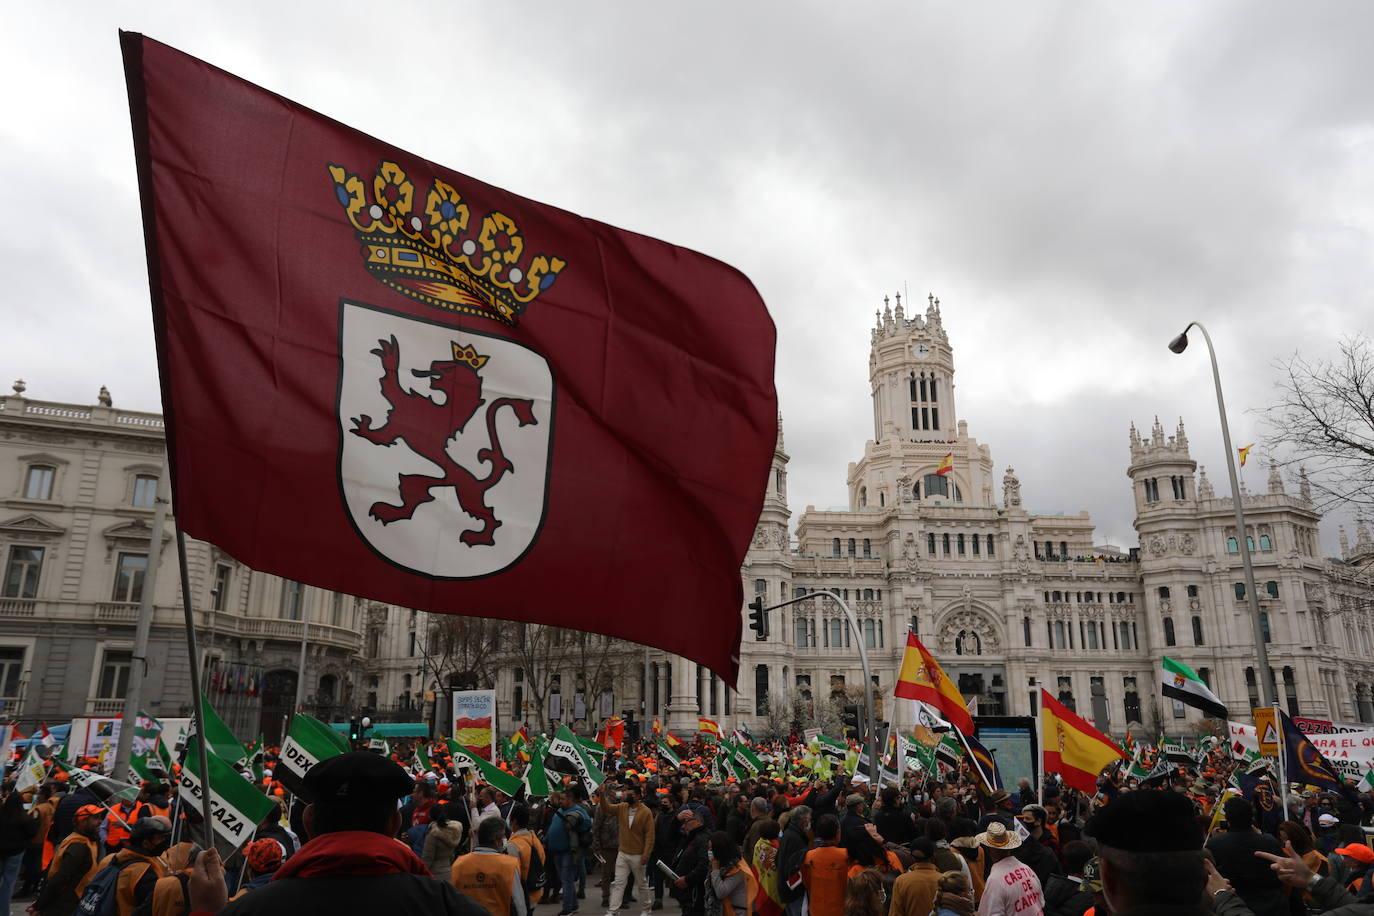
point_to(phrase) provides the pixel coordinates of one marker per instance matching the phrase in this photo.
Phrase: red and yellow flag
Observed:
(946, 464)
(1073, 748)
(658, 727)
(671, 739)
(1244, 453)
(709, 727)
(922, 678)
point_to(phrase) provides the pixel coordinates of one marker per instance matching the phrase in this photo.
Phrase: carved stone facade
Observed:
(78, 485)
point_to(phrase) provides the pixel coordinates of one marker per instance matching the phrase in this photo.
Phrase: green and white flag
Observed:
(949, 750)
(1179, 682)
(422, 761)
(236, 805)
(834, 749)
(1368, 781)
(536, 777)
(219, 737)
(567, 755)
(491, 774)
(745, 757)
(380, 745)
(31, 771)
(666, 752)
(105, 789)
(597, 750)
(308, 741)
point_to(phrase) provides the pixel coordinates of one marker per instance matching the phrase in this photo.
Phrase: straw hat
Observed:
(997, 836)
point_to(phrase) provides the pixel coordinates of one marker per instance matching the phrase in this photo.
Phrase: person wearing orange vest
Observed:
(119, 822)
(489, 875)
(825, 869)
(171, 895)
(532, 854)
(141, 863)
(73, 864)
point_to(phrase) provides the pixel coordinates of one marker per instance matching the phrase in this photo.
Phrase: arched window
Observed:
(1266, 543)
(1290, 691)
(1059, 642)
(1197, 630)
(760, 690)
(882, 499)
(863, 496)
(911, 380)
(930, 544)
(991, 552)
(1026, 630)
(945, 543)
(1264, 625)
(1169, 638)
(935, 485)
(851, 547)
(868, 547)
(923, 387)
(1232, 546)
(870, 634)
(835, 546)
(1064, 548)
(1272, 588)
(868, 594)
(960, 543)
(1252, 687)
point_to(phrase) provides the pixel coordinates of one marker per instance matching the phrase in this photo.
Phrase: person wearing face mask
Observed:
(636, 834)
(140, 865)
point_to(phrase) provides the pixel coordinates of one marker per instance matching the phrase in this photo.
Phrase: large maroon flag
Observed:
(386, 378)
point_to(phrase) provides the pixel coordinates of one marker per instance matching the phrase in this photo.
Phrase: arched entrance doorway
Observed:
(278, 702)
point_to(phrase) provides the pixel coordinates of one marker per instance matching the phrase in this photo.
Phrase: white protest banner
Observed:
(1351, 754)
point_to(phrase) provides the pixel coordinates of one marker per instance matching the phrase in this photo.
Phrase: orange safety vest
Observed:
(67, 843)
(527, 843)
(488, 878)
(115, 832)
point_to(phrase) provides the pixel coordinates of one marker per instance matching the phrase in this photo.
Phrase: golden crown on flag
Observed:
(433, 256)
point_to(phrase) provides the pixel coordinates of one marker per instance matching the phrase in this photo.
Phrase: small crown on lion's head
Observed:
(466, 354)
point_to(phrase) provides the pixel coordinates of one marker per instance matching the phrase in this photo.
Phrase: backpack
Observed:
(99, 898)
(539, 875)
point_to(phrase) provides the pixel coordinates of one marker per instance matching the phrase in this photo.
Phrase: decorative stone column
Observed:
(682, 708)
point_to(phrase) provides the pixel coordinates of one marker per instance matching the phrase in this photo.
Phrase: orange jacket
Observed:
(825, 872)
(489, 878)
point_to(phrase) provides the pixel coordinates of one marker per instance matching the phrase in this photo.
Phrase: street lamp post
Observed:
(1178, 345)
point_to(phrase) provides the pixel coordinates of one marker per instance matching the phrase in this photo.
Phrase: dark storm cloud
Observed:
(1074, 181)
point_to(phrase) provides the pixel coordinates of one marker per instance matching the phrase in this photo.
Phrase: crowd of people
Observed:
(377, 837)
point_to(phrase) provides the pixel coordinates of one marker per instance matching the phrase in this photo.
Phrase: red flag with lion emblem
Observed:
(388, 379)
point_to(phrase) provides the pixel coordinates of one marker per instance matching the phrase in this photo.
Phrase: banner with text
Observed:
(474, 722)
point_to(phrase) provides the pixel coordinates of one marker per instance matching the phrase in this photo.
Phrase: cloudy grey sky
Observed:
(1075, 181)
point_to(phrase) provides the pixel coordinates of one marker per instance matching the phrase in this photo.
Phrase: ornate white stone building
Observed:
(1007, 598)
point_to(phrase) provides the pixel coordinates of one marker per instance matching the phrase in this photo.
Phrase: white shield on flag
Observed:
(446, 438)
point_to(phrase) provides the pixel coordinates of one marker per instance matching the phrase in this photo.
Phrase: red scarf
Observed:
(352, 852)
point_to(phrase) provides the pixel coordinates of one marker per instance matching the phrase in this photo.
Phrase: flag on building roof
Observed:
(921, 678)
(1181, 683)
(351, 309)
(1073, 748)
(1244, 452)
(946, 464)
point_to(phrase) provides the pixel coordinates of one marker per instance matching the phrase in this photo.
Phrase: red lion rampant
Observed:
(427, 426)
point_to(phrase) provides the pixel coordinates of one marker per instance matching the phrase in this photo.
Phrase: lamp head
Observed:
(1179, 343)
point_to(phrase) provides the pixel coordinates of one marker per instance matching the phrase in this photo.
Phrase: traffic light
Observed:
(850, 719)
(355, 730)
(758, 619)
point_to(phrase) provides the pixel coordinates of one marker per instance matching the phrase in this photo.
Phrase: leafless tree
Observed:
(1325, 416)
(466, 646)
(571, 659)
(780, 710)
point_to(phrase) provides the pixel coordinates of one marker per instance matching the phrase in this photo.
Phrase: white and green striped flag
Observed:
(308, 741)
(236, 805)
(568, 755)
(1368, 780)
(491, 774)
(536, 777)
(1179, 682)
(830, 747)
(666, 752)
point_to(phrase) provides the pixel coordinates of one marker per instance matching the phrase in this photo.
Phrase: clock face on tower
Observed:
(922, 350)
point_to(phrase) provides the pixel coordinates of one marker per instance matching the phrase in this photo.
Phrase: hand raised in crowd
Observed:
(1291, 869)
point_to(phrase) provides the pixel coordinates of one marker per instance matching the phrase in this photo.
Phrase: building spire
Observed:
(1204, 486)
(1304, 485)
(1275, 479)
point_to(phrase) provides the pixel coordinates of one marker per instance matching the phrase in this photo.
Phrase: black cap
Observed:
(358, 776)
(1147, 820)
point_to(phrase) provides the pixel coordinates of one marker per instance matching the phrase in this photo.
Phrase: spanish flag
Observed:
(1245, 453)
(922, 678)
(658, 727)
(1073, 748)
(671, 739)
(709, 727)
(946, 464)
